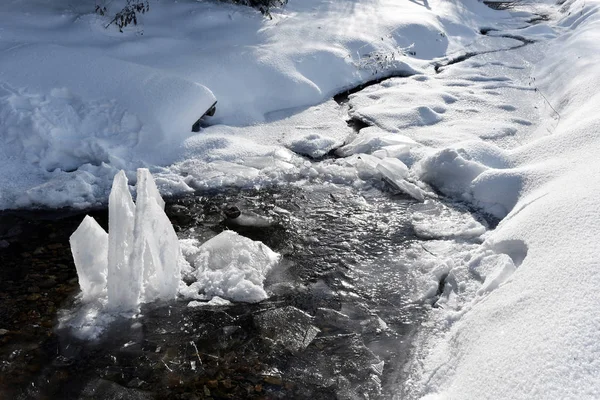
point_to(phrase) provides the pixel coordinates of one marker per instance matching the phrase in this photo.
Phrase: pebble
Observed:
(3, 332)
(273, 380)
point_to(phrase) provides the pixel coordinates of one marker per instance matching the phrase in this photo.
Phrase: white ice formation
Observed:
(230, 266)
(137, 261)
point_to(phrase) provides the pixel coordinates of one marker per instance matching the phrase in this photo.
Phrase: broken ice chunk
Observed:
(393, 168)
(434, 220)
(395, 172)
(234, 267)
(395, 151)
(89, 245)
(215, 302)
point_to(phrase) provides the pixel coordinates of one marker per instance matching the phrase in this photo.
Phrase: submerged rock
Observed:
(287, 326)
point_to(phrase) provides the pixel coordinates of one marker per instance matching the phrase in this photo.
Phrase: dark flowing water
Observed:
(338, 322)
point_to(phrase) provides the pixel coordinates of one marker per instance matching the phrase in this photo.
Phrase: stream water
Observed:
(338, 323)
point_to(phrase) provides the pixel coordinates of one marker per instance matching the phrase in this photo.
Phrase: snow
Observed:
(230, 266)
(128, 100)
(314, 145)
(517, 316)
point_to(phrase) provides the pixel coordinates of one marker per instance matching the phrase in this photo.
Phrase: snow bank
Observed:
(79, 95)
(79, 102)
(517, 318)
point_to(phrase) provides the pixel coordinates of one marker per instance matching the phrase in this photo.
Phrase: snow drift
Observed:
(518, 318)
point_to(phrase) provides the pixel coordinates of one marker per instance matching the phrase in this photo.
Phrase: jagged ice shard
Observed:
(137, 261)
(89, 245)
(155, 245)
(124, 280)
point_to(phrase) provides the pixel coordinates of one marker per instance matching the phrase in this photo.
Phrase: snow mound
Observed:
(467, 172)
(154, 109)
(231, 267)
(517, 314)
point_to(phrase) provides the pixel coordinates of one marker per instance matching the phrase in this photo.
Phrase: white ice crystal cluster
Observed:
(137, 261)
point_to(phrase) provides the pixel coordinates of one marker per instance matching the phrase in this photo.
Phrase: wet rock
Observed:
(328, 318)
(232, 212)
(274, 380)
(103, 389)
(287, 326)
(212, 384)
(3, 332)
(188, 396)
(13, 231)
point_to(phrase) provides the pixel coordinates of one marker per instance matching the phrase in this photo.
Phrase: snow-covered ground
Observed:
(78, 102)
(503, 124)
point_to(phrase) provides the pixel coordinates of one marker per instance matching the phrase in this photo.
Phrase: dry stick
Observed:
(553, 109)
